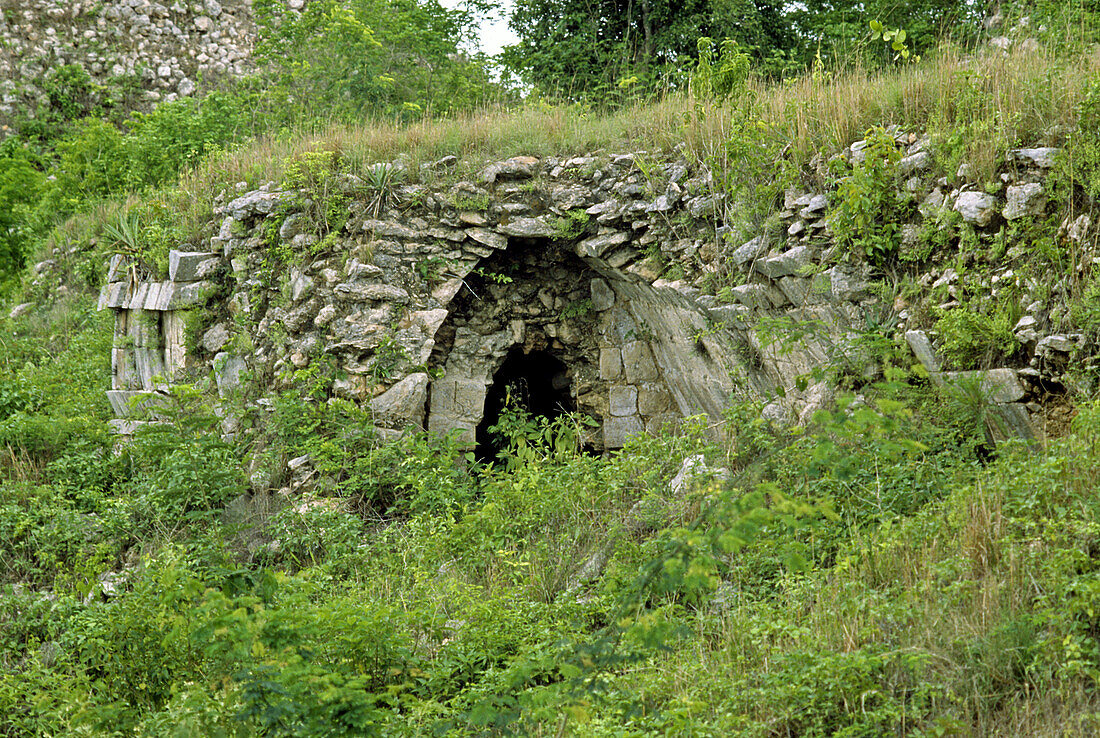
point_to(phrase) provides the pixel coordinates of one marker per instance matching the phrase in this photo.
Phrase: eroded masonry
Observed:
(437, 297)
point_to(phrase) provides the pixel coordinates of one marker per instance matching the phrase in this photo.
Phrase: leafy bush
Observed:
(969, 339)
(21, 185)
(867, 214)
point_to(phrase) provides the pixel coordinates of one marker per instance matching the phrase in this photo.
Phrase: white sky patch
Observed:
(494, 33)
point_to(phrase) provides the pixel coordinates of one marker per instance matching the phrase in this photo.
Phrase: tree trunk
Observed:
(647, 29)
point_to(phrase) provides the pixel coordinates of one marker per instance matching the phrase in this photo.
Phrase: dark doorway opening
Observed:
(536, 382)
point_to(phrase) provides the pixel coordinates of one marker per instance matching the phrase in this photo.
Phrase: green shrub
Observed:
(868, 211)
(21, 185)
(972, 340)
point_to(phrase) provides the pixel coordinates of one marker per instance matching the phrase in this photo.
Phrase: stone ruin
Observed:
(539, 280)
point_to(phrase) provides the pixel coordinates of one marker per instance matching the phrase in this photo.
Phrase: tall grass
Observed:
(1025, 97)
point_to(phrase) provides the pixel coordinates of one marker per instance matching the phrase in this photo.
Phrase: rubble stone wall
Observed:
(168, 49)
(416, 300)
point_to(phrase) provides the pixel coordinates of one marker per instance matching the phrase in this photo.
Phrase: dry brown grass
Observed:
(988, 101)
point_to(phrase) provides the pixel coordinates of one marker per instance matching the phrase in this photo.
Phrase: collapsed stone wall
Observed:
(420, 302)
(417, 302)
(168, 48)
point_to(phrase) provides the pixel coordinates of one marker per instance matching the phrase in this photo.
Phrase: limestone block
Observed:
(257, 202)
(776, 296)
(846, 284)
(815, 207)
(603, 297)
(142, 328)
(465, 431)
(790, 263)
(617, 430)
(404, 403)
(753, 296)
(113, 295)
(215, 338)
(190, 266)
(529, 228)
(518, 167)
(611, 363)
(463, 399)
(1056, 344)
(492, 239)
(471, 218)
(456, 235)
(386, 229)
(619, 258)
(428, 320)
(638, 362)
(976, 208)
(750, 251)
(149, 364)
(124, 374)
(135, 296)
(1011, 420)
(1043, 157)
(918, 162)
(300, 285)
(175, 296)
(1024, 200)
(131, 404)
(383, 292)
(623, 399)
(922, 349)
(175, 344)
(227, 372)
(118, 269)
(444, 292)
(653, 399)
(799, 290)
(732, 316)
(595, 246)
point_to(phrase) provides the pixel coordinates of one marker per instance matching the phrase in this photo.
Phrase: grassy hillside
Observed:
(876, 572)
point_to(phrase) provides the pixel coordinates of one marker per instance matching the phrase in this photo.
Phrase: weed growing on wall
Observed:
(970, 339)
(867, 213)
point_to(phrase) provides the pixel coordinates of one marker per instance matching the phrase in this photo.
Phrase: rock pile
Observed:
(167, 49)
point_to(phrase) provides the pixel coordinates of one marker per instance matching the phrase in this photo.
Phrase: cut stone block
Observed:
(616, 431)
(191, 266)
(1011, 420)
(623, 400)
(611, 363)
(638, 362)
(175, 344)
(922, 348)
(597, 245)
(402, 404)
(113, 295)
(653, 400)
(133, 404)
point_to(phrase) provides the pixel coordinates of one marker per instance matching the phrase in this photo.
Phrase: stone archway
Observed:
(536, 382)
(529, 303)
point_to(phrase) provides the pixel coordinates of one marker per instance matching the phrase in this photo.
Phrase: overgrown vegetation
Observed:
(876, 572)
